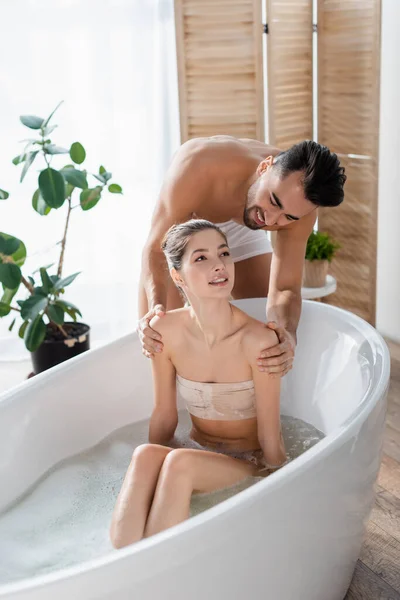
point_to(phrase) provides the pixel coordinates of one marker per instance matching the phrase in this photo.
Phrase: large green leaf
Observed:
(75, 178)
(5, 309)
(89, 198)
(3, 194)
(56, 314)
(31, 307)
(10, 275)
(77, 153)
(39, 204)
(52, 187)
(114, 188)
(31, 121)
(35, 334)
(20, 255)
(64, 282)
(30, 157)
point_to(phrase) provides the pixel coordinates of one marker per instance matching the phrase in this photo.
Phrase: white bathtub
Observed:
(294, 536)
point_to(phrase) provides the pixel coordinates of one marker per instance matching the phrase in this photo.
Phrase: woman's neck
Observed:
(214, 318)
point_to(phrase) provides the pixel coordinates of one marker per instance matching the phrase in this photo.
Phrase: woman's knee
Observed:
(149, 453)
(178, 462)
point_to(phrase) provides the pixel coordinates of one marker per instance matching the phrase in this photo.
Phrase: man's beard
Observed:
(251, 199)
(248, 221)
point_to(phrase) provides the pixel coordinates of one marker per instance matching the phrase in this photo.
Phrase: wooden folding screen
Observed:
(220, 67)
(219, 50)
(290, 76)
(348, 123)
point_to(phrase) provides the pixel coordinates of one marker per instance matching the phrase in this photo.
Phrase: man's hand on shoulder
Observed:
(149, 337)
(258, 339)
(278, 359)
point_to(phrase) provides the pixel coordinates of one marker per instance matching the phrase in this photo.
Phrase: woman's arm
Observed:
(164, 418)
(267, 391)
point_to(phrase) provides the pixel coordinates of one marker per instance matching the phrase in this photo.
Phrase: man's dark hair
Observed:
(323, 178)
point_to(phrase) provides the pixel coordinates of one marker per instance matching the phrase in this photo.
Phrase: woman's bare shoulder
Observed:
(168, 323)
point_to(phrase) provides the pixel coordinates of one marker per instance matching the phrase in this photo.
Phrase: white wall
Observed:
(115, 68)
(388, 282)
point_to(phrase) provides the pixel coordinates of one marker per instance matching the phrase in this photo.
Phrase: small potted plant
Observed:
(320, 250)
(46, 333)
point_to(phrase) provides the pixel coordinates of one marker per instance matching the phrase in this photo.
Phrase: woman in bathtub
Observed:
(210, 359)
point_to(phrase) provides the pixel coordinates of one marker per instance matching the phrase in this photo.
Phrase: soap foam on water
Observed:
(64, 519)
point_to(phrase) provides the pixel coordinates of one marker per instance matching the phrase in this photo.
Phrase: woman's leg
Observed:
(185, 470)
(134, 500)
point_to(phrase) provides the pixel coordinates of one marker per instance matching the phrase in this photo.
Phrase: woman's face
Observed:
(207, 267)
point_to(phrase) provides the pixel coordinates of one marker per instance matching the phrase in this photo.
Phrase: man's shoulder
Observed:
(193, 150)
(209, 150)
(189, 165)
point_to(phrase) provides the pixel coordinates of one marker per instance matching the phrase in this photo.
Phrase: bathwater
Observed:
(64, 519)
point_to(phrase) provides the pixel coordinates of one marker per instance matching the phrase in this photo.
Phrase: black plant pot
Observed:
(55, 349)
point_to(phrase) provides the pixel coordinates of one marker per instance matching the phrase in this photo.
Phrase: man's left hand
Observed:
(278, 360)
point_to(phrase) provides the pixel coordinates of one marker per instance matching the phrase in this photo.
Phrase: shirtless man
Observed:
(245, 187)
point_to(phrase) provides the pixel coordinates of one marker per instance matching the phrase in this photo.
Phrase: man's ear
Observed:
(264, 165)
(175, 276)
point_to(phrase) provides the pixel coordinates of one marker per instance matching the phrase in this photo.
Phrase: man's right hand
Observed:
(149, 338)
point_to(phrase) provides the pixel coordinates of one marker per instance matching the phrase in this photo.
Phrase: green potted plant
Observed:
(320, 250)
(47, 334)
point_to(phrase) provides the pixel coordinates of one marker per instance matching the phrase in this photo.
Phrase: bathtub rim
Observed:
(305, 461)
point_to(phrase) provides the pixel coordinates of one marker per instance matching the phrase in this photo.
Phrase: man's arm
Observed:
(284, 297)
(180, 196)
(154, 275)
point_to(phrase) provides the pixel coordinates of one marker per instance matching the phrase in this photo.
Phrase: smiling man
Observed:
(247, 188)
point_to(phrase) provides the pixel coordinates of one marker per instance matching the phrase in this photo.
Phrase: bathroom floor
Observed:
(377, 575)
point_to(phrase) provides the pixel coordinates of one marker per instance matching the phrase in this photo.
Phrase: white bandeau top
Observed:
(218, 401)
